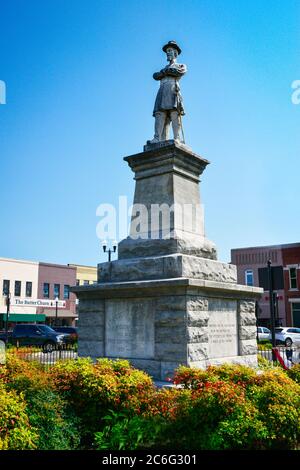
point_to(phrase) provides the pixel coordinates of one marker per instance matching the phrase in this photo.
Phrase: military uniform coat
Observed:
(168, 97)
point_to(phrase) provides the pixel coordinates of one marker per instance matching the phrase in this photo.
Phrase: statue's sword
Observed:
(179, 113)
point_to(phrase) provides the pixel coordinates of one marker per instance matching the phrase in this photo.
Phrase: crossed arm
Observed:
(170, 72)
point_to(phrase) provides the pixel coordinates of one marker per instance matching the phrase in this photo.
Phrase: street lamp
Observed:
(109, 251)
(56, 310)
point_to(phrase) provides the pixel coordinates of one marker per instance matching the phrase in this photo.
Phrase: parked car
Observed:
(287, 335)
(72, 331)
(263, 333)
(36, 335)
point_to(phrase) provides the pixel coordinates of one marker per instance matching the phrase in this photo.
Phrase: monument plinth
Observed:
(167, 301)
(169, 214)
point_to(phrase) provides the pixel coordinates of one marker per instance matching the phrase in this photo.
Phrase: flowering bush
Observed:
(110, 405)
(93, 389)
(46, 409)
(242, 399)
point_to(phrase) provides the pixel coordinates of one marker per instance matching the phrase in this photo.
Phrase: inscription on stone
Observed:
(222, 328)
(129, 328)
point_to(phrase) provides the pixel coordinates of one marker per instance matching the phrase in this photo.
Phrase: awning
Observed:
(63, 313)
(23, 317)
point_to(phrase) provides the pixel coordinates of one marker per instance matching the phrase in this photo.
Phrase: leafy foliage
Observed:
(16, 433)
(110, 405)
(294, 373)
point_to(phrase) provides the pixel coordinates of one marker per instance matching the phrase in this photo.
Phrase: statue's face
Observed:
(171, 53)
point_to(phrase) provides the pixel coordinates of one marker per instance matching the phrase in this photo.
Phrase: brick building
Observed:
(54, 282)
(291, 269)
(249, 260)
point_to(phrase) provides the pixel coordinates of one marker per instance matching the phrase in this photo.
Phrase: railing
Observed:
(285, 356)
(43, 356)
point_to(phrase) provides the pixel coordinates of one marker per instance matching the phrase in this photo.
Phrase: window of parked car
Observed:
(23, 329)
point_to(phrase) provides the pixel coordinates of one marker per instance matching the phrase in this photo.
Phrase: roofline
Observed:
(65, 266)
(15, 260)
(42, 263)
(82, 266)
(278, 247)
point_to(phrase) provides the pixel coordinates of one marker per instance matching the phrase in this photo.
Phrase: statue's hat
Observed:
(172, 44)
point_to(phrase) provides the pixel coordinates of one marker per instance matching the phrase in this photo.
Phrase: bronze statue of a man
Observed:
(169, 104)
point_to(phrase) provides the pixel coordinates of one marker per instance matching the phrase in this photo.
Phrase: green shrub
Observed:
(264, 345)
(277, 398)
(270, 400)
(16, 433)
(111, 405)
(294, 373)
(49, 414)
(27, 377)
(93, 389)
(192, 378)
(123, 432)
(217, 415)
(57, 426)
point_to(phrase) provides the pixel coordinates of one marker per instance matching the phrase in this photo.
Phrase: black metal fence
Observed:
(43, 356)
(287, 357)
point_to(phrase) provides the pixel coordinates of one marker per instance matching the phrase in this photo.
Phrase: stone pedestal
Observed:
(168, 214)
(167, 301)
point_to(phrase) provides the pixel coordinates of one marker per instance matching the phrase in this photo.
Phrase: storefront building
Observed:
(250, 260)
(19, 279)
(40, 292)
(54, 282)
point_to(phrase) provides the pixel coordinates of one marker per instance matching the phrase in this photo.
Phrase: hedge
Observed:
(78, 404)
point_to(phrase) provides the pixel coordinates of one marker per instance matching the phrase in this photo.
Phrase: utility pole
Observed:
(271, 299)
(7, 316)
(56, 311)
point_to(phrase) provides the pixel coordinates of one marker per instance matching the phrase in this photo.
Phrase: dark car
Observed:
(70, 330)
(37, 335)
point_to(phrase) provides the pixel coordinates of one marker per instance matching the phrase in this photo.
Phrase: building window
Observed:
(95, 282)
(28, 289)
(249, 277)
(17, 288)
(46, 290)
(66, 291)
(293, 278)
(77, 282)
(6, 286)
(85, 283)
(56, 291)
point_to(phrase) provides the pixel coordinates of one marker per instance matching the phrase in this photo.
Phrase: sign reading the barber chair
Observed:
(46, 303)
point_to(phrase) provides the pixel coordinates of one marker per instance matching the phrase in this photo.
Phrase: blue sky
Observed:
(80, 95)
